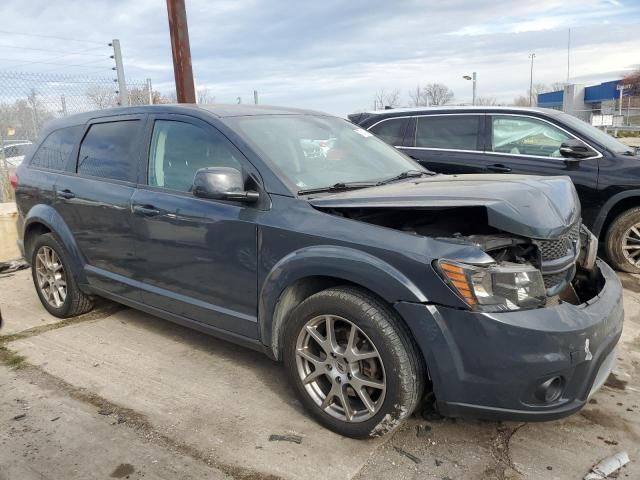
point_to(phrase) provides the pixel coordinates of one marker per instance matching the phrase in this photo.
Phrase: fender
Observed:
(343, 263)
(604, 211)
(47, 215)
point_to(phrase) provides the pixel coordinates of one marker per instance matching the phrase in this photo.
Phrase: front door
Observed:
(528, 145)
(197, 258)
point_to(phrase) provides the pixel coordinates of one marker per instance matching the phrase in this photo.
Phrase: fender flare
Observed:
(604, 211)
(50, 218)
(342, 263)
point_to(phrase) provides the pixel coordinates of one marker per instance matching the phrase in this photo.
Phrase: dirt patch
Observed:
(10, 358)
(503, 468)
(123, 471)
(614, 382)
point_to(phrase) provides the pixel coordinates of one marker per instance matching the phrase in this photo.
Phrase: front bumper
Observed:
(491, 365)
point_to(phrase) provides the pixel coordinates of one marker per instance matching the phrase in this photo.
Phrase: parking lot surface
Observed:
(122, 394)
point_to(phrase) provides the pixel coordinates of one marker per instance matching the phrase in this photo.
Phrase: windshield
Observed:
(317, 151)
(589, 131)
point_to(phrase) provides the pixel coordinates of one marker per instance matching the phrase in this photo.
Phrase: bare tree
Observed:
(488, 101)
(633, 81)
(417, 98)
(205, 97)
(437, 93)
(521, 101)
(101, 97)
(383, 99)
(557, 86)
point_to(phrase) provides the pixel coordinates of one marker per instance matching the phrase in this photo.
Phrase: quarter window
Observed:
(526, 136)
(391, 131)
(452, 132)
(179, 149)
(54, 152)
(107, 150)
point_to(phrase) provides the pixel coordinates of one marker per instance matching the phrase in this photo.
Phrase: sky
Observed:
(330, 55)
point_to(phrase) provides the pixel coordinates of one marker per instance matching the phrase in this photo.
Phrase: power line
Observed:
(80, 52)
(50, 36)
(86, 64)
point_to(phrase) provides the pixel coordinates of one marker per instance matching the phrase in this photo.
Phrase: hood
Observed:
(529, 206)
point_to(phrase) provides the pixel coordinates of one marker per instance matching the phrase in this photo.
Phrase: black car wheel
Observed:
(54, 280)
(622, 242)
(352, 362)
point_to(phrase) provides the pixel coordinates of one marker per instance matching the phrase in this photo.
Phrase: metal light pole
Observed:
(185, 90)
(472, 77)
(531, 56)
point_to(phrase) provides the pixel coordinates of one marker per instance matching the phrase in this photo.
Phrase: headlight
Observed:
(495, 288)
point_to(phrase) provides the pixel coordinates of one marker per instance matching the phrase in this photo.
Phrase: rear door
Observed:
(94, 200)
(531, 145)
(448, 143)
(197, 257)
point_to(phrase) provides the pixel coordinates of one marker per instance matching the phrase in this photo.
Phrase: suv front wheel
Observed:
(352, 362)
(622, 242)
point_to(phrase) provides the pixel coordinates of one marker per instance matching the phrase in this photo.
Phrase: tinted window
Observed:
(391, 131)
(107, 150)
(180, 149)
(449, 131)
(54, 152)
(526, 136)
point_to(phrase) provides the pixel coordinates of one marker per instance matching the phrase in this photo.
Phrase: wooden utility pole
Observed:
(185, 90)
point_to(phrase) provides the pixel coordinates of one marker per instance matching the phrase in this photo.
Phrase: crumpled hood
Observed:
(530, 206)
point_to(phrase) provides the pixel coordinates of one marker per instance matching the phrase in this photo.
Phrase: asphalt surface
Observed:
(121, 394)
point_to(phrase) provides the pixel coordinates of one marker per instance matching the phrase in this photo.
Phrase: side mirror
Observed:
(575, 150)
(222, 183)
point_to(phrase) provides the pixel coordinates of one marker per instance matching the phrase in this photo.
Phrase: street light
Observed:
(531, 56)
(472, 77)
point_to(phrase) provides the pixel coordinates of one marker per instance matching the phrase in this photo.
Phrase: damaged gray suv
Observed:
(378, 283)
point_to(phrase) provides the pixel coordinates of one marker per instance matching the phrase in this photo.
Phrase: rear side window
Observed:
(54, 152)
(391, 131)
(453, 132)
(107, 150)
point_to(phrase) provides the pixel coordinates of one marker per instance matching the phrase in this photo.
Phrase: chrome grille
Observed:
(562, 250)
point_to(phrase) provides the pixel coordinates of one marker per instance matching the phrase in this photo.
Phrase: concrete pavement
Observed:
(167, 402)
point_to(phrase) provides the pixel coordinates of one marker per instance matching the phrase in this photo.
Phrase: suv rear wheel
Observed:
(622, 242)
(54, 280)
(352, 363)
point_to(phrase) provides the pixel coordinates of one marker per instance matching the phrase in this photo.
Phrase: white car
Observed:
(15, 152)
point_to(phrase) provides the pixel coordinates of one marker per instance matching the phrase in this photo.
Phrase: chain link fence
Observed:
(29, 100)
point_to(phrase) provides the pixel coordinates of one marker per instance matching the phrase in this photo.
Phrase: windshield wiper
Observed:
(403, 175)
(338, 187)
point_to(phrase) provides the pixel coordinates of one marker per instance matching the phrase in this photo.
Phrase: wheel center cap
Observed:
(341, 367)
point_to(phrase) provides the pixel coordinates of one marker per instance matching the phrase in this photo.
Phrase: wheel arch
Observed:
(43, 219)
(616, 205)
(310, 270)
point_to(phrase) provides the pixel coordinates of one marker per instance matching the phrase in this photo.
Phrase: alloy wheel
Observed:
(51, 277)
(340, 368)
(631, 245)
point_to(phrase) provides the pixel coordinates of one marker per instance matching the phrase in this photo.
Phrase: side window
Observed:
(453, 132)
(179, 149)
(107, 150)
(391, 131)
(55, 150)
(526, 136)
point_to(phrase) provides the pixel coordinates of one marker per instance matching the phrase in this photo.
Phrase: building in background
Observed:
(608, 104)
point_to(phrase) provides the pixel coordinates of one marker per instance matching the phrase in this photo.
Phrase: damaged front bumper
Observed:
(529, 365)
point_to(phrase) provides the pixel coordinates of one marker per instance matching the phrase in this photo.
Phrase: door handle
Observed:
(145, 210)
(499, 168)
(66, 194)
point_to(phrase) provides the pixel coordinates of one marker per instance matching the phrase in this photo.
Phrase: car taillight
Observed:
(14, 181)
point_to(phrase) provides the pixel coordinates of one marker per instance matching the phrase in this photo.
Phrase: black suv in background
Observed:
(533, 141)
(304, 236)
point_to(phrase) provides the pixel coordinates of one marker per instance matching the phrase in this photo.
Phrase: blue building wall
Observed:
(551, 99)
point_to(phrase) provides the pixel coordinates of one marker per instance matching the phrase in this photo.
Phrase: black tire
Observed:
(615, 237)
(76, 302)
(403, 367)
